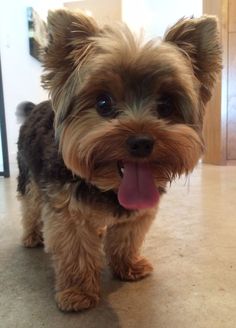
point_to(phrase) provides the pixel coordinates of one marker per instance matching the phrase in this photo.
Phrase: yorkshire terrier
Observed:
(125, 119)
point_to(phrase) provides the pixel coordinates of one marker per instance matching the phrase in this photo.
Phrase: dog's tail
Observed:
(23, 110)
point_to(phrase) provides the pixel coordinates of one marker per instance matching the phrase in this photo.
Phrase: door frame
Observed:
(6, 170)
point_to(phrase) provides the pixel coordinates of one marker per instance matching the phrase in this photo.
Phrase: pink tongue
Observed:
(137, 189)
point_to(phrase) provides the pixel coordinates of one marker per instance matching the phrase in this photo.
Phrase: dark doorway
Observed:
(4, 171)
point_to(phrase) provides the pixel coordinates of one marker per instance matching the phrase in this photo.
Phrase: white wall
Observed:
(104, 11)
(154, 16)
(20, 72)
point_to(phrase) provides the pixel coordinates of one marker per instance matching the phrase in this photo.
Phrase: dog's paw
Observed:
(32, 240)
(72, 299)
(135, 270)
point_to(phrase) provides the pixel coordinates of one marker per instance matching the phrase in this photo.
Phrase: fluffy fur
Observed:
(69, 152)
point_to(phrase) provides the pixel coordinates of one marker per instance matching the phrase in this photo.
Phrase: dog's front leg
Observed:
(76, 251)
(123, 244)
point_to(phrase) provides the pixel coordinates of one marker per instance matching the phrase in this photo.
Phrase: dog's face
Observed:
(128, 115)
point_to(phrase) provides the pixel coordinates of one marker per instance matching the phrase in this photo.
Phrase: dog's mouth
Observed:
(137, 189)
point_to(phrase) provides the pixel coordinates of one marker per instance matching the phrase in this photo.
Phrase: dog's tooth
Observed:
(122, 169)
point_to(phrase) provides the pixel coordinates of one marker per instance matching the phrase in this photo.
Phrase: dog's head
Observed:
(129, 114)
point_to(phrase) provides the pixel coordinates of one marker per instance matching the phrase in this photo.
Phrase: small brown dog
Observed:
(125, 118)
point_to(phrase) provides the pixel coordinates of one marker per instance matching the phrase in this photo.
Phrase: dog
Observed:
(124, 119)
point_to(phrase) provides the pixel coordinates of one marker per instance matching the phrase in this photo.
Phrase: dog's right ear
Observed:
(68, 46)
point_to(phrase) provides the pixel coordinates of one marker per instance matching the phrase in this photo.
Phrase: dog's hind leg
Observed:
(31, 204)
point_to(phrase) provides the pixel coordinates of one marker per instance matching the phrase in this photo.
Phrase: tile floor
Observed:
(192, 245)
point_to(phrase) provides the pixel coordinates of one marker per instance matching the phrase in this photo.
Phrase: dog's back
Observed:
(38, 156)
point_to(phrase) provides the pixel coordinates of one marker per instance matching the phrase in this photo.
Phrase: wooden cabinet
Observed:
(220, 119)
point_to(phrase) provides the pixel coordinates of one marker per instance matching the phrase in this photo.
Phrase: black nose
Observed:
(140, 145)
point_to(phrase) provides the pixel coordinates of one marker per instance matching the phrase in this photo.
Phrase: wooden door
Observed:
(231, 110)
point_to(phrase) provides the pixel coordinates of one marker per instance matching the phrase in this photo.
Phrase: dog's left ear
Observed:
(198, 39)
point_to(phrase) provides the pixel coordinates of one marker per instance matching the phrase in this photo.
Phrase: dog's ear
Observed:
(198, 39)
(68, 45)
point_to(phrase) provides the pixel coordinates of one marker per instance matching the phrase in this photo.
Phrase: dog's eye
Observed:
(165, 107)
(105, 106)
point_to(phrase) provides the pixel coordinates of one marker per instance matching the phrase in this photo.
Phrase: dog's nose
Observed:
(140, 145)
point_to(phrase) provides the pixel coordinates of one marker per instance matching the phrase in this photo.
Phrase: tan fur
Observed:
(72, 235)
(122, 246)
(82, 61)
(86, 156)
(31, 204)
(76, 253)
